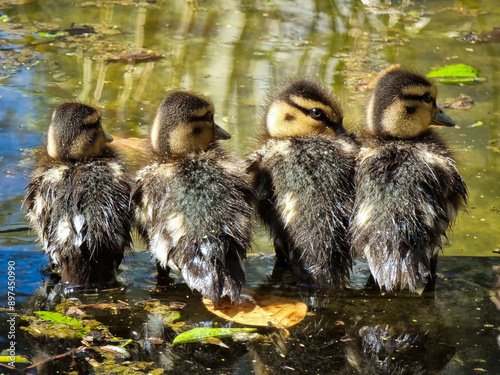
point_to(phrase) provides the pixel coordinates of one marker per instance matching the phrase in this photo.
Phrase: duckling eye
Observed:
(197, 131)
(411, 110)
(427, 97)
(208, 117)
(315, 113)
(91, 139)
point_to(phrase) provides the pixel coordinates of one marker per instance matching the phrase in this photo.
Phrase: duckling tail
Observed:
(215, 269)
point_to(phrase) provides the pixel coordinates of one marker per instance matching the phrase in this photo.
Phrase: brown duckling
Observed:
(408, 188)
(304, 172)
(78, 198)
(193, 199)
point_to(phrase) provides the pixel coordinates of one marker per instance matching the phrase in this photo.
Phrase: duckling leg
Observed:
(282, 270)
(280, 250)
(432, 273)
(163, 277)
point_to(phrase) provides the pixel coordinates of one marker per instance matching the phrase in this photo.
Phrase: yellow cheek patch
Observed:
(183, 140)
(276, 120)
(81, 148)
(284, 120)
(398, 123)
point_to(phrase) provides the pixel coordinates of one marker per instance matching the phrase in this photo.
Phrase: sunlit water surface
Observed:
(234, 52)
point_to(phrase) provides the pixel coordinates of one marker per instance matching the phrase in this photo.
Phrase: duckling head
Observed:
(403, 105)
(184, 123)
(76, 133)
(302, 107)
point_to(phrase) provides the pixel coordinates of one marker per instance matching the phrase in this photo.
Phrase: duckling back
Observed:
(304, 181)
(408, 189)
(193, 207)
(79, 208)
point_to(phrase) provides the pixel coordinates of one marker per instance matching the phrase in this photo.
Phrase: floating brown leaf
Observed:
(128, 145)
(131, 149)
(462, 102)
(261, 310)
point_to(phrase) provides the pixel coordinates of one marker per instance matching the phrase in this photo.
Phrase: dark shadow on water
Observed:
(452, 330)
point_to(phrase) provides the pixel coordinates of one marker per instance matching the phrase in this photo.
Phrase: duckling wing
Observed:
(407, 195)
(305, 190)
(80, 213)
(196, 214)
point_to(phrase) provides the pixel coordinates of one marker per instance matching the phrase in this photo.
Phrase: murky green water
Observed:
(234, 51)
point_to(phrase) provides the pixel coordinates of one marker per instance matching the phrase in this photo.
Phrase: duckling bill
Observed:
(408, 188)
(304, 171)
(193, 199)
(77, 200)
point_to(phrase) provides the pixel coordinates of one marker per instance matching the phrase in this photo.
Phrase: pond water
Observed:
(124, 56)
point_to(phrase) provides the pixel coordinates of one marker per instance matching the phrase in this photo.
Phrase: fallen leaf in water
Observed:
(138, 57)
(260, 310)
(462, 102)
(131, 149)
(132, 144)
(457, 73)
(177, 305)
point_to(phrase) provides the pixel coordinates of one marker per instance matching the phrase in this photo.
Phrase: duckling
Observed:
(78, 198)
(303, 177)
(192, 199)
(408, 188)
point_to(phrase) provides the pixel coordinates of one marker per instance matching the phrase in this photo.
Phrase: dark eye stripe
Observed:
(338, 128)
(417, 97)
(206, 117)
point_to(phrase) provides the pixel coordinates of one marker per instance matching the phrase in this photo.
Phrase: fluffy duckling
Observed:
(304, 174)
(78, 198)
(193, 199)
(408, 188)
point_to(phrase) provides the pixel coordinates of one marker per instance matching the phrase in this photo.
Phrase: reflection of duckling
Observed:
(304, 181)
(77, 200)
(398, 351)
(408, 189)
(191, 199)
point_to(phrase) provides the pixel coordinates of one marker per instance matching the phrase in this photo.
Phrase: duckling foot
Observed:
(163, 278)
(282, 274)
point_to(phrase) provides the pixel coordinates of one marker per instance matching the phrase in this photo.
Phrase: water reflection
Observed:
(234, 51)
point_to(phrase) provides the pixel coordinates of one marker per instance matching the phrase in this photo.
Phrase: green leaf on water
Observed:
(55, 317)
(476, 124)
(51, 35)
(16, 359)
(171, 317)
(458, 73)
(201, 334)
